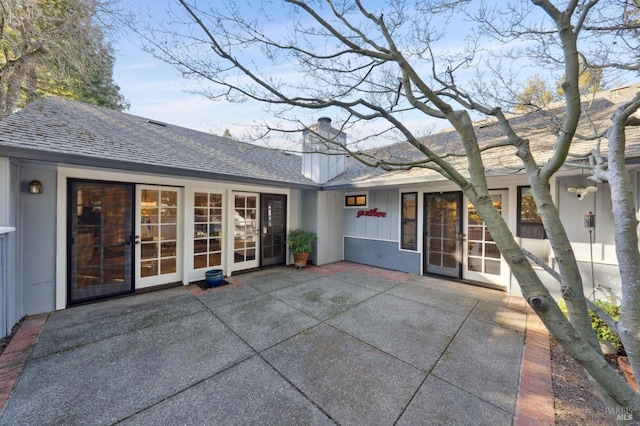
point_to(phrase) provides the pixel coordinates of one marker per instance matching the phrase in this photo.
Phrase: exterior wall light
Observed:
(35, 187)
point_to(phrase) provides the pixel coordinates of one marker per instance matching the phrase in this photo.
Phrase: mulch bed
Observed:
(576, 402)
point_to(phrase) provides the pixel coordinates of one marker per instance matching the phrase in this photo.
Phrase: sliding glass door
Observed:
(100, 240)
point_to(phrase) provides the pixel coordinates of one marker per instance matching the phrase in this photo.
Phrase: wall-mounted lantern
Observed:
(589, 221)
(35, 187)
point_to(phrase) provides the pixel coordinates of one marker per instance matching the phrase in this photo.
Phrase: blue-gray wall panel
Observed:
(39, 242)
(384, 228)
(384, 254)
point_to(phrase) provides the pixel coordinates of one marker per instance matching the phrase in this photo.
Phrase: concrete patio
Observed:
(340, 344)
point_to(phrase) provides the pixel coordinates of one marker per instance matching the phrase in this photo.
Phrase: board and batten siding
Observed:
(372, 240)
(379, 228)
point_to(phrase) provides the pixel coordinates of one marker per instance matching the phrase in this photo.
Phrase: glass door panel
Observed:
(157, 236)
(483, 261)
(442, 234)
(100, 233)
(245, 231)
(273, 225)
(207, 236)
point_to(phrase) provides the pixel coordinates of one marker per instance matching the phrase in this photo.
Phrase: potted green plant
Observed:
(299, 242)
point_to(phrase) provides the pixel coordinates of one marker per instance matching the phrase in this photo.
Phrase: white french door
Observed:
(245, 231)
(158, 236)
(482, 259)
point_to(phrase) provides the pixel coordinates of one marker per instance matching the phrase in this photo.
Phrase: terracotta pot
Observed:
(623, 362)
(300, 259)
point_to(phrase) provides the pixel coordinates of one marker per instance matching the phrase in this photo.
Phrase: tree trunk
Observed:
(613, 386)
(626, 224)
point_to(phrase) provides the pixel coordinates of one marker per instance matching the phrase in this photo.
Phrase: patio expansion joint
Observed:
(320, 322)
(259, 354)
(429, 372)
(300, 391)
(107, 337)
(196, 383)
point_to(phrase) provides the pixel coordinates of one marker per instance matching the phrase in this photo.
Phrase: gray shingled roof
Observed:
(537, 127)
(67, 131)
(56, 129)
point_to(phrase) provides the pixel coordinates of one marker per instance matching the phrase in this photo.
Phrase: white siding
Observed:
(329, 245)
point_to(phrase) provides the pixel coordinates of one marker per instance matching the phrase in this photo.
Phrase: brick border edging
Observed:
(16, 354)
(535, 404)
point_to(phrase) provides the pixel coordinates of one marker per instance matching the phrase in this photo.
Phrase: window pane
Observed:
(149, 198)
(215, 259)
(149, 250)
(169, 232)
(355, 200)
(529, 222)
(200, 246)
(435, 258)
(199, 262)
(409, 221)
(207, 246)
(170, 198)
(149, 268)
(448, 261)
(169, 215)
(491, 250)
(215, 200)
(200, 199)
(168, 249)
(200, 215)
(168, 266)
(475, 264)
(435, 231)
(492, 267)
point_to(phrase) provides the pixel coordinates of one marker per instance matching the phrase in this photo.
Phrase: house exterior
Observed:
(96, 203)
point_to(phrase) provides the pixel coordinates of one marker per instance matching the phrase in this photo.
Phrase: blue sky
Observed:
(156, 90)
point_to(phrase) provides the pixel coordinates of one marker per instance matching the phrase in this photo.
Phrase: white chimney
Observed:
(322, 157)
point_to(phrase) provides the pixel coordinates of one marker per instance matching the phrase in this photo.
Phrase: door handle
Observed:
(462, 237)
(136, 239)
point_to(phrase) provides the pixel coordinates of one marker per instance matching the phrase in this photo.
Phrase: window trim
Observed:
(355, 197)
(519, 222)
(403, 244)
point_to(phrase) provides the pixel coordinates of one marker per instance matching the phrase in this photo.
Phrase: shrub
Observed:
(602, 330)
(300, 241)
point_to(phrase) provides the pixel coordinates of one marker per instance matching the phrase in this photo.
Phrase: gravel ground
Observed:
(575, 400)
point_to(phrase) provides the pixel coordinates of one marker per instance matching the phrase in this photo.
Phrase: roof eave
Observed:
(80, 160)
